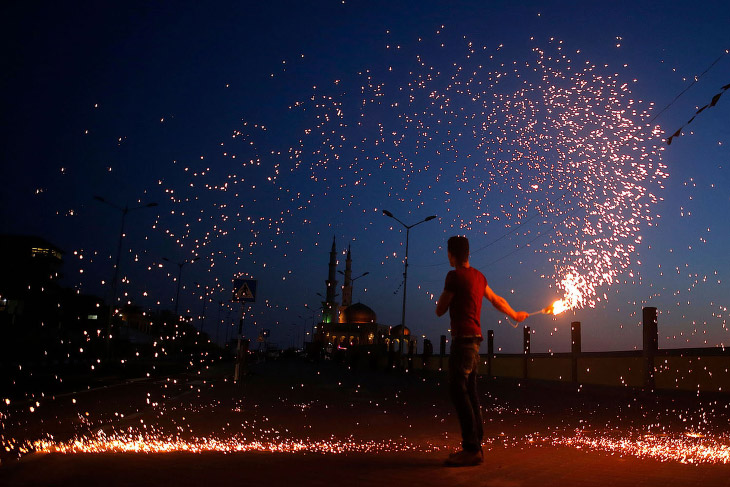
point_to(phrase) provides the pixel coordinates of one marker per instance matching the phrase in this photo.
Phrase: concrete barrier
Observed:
(705, 371)
(692, 369)
(618, 370)
(507, 366)
(550, 368)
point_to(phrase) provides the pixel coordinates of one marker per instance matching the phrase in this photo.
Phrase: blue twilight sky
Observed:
(263, 130)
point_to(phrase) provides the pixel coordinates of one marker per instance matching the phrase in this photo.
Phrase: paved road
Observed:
(296, 423)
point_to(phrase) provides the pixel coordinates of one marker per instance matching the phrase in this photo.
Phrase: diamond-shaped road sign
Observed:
(244, 290)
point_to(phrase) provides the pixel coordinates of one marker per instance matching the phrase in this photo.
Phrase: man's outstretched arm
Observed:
(502, 305)
(442, 305)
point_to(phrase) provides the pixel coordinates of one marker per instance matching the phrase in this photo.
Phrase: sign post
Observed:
(244, 291)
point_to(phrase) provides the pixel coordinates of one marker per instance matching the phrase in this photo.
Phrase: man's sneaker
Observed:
(464, 458)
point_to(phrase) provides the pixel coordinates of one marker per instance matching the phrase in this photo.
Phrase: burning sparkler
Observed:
(576, 291)
(554, 309)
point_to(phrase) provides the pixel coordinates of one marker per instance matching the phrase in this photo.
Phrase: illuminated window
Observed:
(43, 252)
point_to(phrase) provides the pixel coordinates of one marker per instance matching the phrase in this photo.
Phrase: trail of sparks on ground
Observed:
(144, 443)
(687, 448)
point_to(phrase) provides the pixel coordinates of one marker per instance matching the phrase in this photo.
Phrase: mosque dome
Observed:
(359, 313)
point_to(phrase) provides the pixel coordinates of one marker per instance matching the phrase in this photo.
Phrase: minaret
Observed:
(329, 306)
(347, 288)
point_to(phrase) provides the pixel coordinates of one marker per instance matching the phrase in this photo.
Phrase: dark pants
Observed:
(463, 364)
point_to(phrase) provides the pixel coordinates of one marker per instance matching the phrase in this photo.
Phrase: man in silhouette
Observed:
(462, 297)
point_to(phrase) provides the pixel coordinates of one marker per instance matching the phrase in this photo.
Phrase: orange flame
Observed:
(558, 307)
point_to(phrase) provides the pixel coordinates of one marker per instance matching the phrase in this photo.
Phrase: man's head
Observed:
(458, 248)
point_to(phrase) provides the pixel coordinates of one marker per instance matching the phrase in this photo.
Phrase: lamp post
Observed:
(218, 323)
(325, 306)
(124, 211)
(352, 280)
(294, 336)
(179, 276)
(205, 303)
(304, 332)
(314, 313)
(405, 273)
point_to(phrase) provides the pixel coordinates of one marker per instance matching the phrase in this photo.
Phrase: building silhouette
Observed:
(353, 325)
(30, 271)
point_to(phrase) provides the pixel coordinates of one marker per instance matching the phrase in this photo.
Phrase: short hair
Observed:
(459, 248)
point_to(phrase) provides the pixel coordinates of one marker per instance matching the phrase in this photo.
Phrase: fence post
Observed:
(442, 351)
(490, 352)
(526, 350)
(427, 353)
(574, 349)
(651, 344)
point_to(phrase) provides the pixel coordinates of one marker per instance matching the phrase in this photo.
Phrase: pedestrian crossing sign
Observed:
(244, 291)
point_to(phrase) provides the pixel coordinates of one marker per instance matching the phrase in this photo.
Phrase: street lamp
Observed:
(205, 303)
(314, 313)
(323, 297)
(352, 280)
(405, 272)
(304, 331)
(179, 276)
(295, 336)
(326, 305)
(218, 325)
(124, 211)
(358, 277)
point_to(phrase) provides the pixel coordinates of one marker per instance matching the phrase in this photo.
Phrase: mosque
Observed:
(353, 325)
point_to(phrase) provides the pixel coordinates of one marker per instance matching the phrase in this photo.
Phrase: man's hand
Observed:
(521, 316)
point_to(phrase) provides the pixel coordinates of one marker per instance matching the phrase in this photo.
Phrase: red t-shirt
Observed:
(468, 285)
